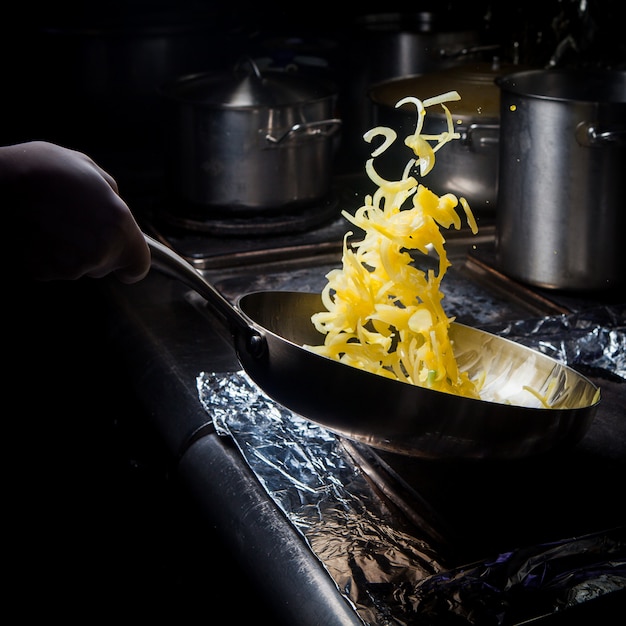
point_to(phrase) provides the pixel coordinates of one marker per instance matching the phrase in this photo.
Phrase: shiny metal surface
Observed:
(393, 45)
(467, 167)
(560, 218)
(330, 489)
(412, 420)
(270, 328)
(245, 141)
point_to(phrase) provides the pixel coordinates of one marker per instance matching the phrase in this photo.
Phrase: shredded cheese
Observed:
(383, 314)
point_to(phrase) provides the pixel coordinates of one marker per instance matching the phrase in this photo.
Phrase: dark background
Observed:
(72, 71)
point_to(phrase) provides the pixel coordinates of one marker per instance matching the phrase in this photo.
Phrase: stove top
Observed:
(220, 240)
(255, 224)
(473, 509)
(465, 512)
(223, 241)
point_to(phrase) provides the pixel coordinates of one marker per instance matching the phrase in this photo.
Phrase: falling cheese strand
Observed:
(383, 314)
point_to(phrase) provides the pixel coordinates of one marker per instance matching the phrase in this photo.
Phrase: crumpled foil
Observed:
(311, 478)
(390, 576)
(592, 340)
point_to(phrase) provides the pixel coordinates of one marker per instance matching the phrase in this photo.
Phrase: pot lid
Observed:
(247, 87)
(475, 83)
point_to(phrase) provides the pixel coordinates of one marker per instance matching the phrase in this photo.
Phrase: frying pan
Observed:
(269, 330)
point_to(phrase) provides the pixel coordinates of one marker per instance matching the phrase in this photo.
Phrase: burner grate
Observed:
(294, 219)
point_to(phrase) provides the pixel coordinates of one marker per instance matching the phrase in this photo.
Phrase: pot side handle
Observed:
(324, 128)
(589, 136)
(479, 136)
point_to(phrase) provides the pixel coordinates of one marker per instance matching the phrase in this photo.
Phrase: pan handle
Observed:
(169, 262)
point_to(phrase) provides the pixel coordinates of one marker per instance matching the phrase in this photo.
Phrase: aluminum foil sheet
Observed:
(308, 474)
(592, 340)
(382, 566)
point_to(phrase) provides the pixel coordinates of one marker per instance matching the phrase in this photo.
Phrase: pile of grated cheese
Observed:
(383, 314)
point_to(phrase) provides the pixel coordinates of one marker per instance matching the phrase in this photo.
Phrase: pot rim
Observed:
(475, 83)
(586, 85)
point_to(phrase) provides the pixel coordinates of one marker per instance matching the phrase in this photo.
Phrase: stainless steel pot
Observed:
(561, 218)
(392, 45)
(384, 46)
(248, 141)
(466, 167)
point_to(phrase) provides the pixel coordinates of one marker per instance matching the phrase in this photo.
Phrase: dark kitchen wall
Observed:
(88, 74)
(585, 31)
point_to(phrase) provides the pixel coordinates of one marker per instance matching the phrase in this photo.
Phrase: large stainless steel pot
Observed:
(467, 167)
(387, 45)
(249, 141)
(270, 330)
(561, 220)
(391, 45)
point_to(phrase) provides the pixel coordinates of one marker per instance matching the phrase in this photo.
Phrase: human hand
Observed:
(70, 219)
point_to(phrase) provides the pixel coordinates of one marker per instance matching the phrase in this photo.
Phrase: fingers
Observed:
(135, 262)
(110, 181)
(107, 177)
(73, 220)
(129, 255)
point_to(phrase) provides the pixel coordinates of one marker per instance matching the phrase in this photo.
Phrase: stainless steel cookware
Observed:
(468, 166)
(248, 141)
(561, 218)
(269, 330)
(388, 45)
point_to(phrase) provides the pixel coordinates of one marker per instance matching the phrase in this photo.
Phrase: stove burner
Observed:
(288, 221)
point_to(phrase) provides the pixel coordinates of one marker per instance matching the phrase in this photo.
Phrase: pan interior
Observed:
(514, 374)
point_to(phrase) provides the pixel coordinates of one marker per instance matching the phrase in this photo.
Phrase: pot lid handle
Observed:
(250, 61)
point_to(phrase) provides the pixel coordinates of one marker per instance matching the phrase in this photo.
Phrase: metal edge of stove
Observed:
(308, 253)
(391, 487)
(486, 274)
(303, 253)
(462, 250)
